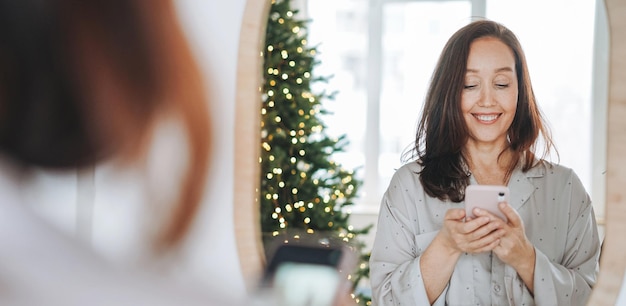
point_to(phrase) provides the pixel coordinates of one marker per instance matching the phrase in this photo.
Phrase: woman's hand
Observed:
(514, 248)
(455, 237)
(477, 235)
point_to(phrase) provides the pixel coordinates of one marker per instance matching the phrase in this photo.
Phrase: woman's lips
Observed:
(486, 118)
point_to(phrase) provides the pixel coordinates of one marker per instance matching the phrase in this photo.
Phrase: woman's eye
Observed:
(502, 85)
(469, 86)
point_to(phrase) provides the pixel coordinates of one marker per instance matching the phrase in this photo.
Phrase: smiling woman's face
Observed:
(489, 98)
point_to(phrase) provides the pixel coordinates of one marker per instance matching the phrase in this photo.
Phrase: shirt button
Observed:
(496, 288)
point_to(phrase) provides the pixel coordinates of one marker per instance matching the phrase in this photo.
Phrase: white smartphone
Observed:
(486, 197)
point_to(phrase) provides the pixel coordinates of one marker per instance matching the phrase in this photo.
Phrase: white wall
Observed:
(213, 28)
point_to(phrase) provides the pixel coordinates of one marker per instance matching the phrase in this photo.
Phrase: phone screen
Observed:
(305, 284)
(304, 275)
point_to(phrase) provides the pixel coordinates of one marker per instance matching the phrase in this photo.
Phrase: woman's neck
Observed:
(489, 166)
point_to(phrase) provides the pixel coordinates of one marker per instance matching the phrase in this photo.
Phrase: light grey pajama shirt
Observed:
(558, 219)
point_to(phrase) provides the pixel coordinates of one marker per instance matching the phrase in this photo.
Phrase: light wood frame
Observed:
(247, 141)
(613, 260)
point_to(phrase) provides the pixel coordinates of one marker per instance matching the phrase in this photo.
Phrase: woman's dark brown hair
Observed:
(442, 132)
(82, 81)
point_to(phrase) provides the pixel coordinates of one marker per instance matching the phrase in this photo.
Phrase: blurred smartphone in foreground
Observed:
(486, 197)
(311, 275)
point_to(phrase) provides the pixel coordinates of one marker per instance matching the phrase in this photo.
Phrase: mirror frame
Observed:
(613, 262)
(247, 132)
(247, 135)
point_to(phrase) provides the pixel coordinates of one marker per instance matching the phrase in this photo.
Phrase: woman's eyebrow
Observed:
(503, 69)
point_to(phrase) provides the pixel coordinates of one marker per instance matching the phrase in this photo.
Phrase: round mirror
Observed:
(248, 133)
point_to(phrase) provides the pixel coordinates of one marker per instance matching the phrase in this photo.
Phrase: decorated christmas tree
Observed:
(303, 189)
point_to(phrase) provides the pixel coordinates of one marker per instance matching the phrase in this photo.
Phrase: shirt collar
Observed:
(520, 185)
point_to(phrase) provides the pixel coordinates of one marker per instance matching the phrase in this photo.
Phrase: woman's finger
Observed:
(455, 214)
(514, 219)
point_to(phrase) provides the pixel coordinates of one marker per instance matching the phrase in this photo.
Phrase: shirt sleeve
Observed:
(395, 273)
(569, 282)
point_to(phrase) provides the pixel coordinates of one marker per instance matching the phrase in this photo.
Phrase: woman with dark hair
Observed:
(82, 82)
(481, 126)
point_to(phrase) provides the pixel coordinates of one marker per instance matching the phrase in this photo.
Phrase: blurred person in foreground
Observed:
(82, 82)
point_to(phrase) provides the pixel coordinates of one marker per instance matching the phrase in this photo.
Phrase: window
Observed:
(381, 54)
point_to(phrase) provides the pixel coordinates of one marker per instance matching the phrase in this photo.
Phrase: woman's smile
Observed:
(487, 118)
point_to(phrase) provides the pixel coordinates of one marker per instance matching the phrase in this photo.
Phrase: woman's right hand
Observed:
(457, 236)
(471, 236)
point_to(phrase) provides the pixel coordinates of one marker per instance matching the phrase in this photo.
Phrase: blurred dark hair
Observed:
(442, 132)
(82, 81)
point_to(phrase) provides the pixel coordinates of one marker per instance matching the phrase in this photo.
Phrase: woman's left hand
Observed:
(514, 248)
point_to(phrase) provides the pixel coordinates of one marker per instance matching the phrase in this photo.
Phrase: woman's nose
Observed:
(487, 97)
